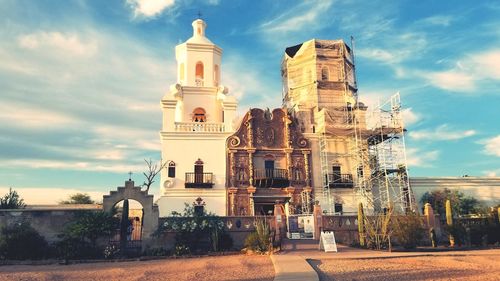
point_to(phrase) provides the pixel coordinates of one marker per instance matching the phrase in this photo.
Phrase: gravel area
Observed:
(463, 265)
(223, 268)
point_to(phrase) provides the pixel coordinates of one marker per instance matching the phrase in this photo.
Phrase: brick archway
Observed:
(129, 191)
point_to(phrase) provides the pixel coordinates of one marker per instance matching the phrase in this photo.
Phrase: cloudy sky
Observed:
(81, 80)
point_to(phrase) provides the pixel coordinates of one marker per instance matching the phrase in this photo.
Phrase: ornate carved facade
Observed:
(268, 161)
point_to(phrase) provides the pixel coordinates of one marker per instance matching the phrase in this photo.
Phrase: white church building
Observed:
(198, 117)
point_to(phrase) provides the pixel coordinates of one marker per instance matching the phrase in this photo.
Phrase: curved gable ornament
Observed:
(129, 191)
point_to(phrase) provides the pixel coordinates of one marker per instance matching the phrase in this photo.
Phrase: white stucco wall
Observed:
(485, 189)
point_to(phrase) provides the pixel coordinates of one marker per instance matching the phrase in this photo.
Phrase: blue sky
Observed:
(81, 81)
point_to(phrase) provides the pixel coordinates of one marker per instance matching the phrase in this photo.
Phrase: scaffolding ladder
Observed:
(325, 176)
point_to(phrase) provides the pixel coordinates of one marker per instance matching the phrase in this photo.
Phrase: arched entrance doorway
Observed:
(134, 220)
(148, 218)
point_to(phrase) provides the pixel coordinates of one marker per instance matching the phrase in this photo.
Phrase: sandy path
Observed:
(465, 266)
(224, 268)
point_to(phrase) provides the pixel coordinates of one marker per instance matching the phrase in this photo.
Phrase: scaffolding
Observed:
(388, 182)
(375, 146)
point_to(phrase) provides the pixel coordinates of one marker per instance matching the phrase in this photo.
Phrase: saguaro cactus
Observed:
(449, 220)
(361, 225)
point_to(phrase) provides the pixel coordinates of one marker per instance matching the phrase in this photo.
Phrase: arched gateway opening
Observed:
(133, 219)
(142, 215)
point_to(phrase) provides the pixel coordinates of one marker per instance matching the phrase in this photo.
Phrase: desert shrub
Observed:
(252, 241)
(195, 232)
(408, 230)
(484, 234)
(181, 250)
(20, 241)
(259, 240)
(79, 238)
(458, 232)
(111, 251)
(155, 252)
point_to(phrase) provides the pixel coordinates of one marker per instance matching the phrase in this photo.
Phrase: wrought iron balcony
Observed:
(276, 178)
(199, 180)
(340, 180)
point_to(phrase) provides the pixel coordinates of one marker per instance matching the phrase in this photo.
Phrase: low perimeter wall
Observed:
(48, 222)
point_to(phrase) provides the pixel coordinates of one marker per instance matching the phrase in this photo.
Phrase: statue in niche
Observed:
(269, 136)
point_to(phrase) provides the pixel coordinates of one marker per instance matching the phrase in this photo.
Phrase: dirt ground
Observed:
(465, 265)
(224, 268)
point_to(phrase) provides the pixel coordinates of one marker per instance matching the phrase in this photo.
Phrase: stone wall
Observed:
(48, 222)
(344, 227)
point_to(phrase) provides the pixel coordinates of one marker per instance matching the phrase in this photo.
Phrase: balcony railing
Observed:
(199, 127)
(199, 180)
(340, 181)
(276, 178)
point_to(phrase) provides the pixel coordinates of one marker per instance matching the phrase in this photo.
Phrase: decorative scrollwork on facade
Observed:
(302, 142)
(234, 141)
(259, 136)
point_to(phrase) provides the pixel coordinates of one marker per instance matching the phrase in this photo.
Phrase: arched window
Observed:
(171, 169)
(216, 75)
(199, 115)
(324, 74)
(199, 75)
(181, 72)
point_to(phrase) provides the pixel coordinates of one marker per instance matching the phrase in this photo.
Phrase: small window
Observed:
(171, 170)
(338, 208)
(216, 75)
(360, 171)
(324, 74)
(199, 74)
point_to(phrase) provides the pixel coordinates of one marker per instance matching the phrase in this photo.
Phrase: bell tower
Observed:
(198, 59)
(198, 116)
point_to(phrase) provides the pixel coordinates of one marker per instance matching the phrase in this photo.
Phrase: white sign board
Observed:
(327, 241)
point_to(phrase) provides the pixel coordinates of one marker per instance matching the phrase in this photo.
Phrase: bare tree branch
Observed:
(152, 170)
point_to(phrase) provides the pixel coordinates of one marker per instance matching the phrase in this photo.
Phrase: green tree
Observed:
(79, 238)
(20, 241)
(78, 198)
(460, 204)
(408, 230)
(11, 200)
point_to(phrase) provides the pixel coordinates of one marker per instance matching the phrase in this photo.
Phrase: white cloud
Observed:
(441, 133)
(377, 54)
(248, 86)
(438, 20)
(149, 8)
(451, 80)
(492, 145)
(418, 158)
(405, 46)
(410, 117)
(492, 173)
(33, 118)
(72, 165)
(468, 72)
(65, 43)
(298, 19)
(89, 108)
(213, 2)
